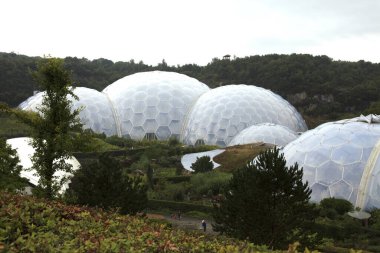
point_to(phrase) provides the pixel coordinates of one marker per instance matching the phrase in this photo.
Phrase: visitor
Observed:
(204, 225)
(179, 214)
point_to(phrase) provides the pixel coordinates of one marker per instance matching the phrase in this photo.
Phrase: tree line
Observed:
(320, 88)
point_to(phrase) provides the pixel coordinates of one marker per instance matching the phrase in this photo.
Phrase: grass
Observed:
(237, 156)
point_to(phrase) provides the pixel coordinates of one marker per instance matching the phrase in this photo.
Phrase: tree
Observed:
(10, 169)
(202, 164)
(53, 130)
(266, 202)
(104, 184)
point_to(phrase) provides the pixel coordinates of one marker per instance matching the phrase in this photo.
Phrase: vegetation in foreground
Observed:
(28, 224)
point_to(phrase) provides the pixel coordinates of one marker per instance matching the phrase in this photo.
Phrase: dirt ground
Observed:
(186, 223)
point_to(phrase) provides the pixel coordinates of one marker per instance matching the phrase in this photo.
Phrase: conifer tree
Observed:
(266, 202)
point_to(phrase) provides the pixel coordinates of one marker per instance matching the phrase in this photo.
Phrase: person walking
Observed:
(204, 225)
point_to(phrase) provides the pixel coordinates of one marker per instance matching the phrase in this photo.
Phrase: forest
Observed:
(319, 87)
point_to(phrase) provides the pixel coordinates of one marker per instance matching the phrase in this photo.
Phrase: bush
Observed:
(102, 183)
(33, 225)
(202, 164)
(340, 206)
(215, 181)
(175, 206)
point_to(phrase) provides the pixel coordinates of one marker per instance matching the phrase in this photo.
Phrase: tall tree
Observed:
(266, 202)
(53, 129)
(10, 169)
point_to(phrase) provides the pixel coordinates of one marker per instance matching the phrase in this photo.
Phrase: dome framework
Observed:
(341, 159)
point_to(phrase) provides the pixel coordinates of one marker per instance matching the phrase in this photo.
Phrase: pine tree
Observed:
(266, 202)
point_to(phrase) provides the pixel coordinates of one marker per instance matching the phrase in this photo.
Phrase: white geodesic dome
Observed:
(96, 111)
(341, 159)
(25, 151)
(267, 133)
(153, 104)
(221, 113)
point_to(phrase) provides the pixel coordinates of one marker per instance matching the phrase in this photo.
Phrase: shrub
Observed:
(202, 164)
(340, 206)
(102, 183)
(213, 180)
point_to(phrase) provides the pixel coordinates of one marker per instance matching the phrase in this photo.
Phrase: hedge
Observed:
(175, 206)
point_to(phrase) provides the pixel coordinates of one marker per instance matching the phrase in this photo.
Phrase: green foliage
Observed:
(202, 164)
(332, 206)
(149, 175)
(212, 181)
(103, 183)
(10, 179)
(11, 127)
(375, 219)
(266, 202)
(322, 89)
(52, 138)
(155, 204)
(32, 225)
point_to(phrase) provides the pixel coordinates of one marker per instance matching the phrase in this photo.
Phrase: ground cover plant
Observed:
(28, 224)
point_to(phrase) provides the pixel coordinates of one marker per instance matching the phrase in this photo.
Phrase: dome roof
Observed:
(25, 151)
(221, 113)
(96, 110)
(267, 133)
(341, 159)
(153, 103)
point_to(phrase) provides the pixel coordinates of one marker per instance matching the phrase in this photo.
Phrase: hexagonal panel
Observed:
(329, 173)
(163, 133)
(319, 192)
(137, 133)
(150, 126)
(346, 155)
(341, 190)
(318, 157)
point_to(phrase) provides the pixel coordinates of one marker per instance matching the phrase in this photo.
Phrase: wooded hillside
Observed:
(320, 88)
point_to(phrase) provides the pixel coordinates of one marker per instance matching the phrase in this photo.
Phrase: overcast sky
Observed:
(190, 31)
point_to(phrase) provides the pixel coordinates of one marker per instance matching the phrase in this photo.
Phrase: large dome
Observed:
(96, 110)
(341, 159)
(153, 104)
(266, 133)
(25, 151)
(221, 113)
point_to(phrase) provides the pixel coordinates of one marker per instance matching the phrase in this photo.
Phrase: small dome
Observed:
(220, 114)
(341, 159)
(266, 133)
